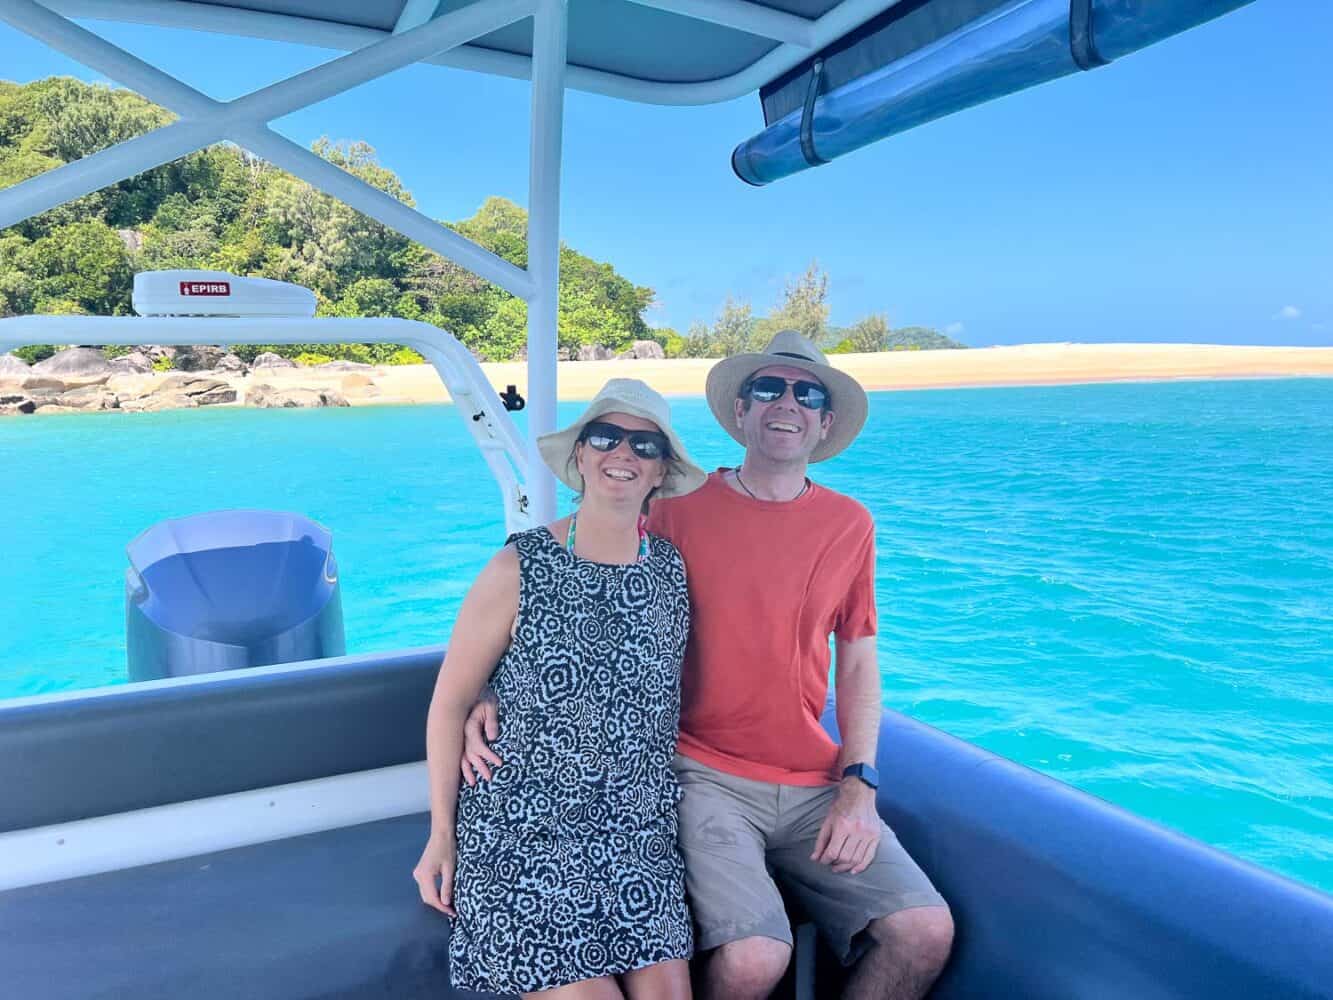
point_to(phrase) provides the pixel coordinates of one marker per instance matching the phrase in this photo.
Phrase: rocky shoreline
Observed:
(156, 377)
(82, 380)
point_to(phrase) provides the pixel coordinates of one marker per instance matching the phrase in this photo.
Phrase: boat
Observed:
(204, 836)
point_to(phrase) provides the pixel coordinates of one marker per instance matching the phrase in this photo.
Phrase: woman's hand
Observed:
(438, 861)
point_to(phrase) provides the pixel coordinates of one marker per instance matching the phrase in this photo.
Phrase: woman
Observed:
(562, 872)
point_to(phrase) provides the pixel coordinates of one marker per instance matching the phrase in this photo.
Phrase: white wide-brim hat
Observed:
(847, 399)
(623, 395)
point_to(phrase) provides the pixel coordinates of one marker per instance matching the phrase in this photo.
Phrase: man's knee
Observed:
(749, 967)
(923, 935)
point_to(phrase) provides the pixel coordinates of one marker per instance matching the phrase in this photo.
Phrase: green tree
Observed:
(84, 263)
(921, 338)
(597, 305)
(870, 334)
(368, 297)
(243, 255)
(166, 249)
(16, 285)
(325, 243)
(499, 216)
(698, 342)
(430, 279)
(501, 227)
(733, 330)
(805, 304)
(672, 342)
(506, 331)
(33, 353)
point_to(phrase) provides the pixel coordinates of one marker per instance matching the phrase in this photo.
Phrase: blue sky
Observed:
(1184, 193)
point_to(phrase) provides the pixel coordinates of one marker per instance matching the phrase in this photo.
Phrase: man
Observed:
(776, 565)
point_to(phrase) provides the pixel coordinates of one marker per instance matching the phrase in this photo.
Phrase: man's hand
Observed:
(850, 832)
(482, 726)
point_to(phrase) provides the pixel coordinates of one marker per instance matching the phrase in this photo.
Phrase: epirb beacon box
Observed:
(216, 293)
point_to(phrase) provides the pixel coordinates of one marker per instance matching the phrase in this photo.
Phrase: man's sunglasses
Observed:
(650, 445)
(767, 388)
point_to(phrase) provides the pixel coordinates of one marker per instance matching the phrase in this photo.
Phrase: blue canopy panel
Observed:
(610, 42)
(637, 42)
(924, 59)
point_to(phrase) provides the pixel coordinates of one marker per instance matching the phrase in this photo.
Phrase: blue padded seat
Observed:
(329, 915)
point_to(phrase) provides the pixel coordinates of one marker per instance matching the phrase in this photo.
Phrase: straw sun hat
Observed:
(623, 395)
(788, 348)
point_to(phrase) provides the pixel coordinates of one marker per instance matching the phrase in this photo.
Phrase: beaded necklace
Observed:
(643, 535)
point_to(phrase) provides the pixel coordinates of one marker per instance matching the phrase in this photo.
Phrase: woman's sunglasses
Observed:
(767, 388)
(650, 445)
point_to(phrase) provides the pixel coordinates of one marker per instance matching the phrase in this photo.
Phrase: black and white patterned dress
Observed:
(567, 860)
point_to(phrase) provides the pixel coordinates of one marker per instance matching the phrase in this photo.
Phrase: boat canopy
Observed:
(654, 51)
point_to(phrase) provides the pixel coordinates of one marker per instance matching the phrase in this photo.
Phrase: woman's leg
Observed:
(601, 988)
(663, 981)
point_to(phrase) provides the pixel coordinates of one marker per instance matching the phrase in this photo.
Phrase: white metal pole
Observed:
(549, 27)
(374, 61)
(415, 14)
(752, 18)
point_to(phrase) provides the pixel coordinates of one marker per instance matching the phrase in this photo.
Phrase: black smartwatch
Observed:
(865, 772)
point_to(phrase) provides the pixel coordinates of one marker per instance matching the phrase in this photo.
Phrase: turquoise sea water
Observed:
(1129, 587)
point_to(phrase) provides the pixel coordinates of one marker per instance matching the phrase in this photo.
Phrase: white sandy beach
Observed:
(1031, 364)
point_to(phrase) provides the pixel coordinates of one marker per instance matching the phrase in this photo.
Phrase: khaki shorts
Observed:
(738, 835)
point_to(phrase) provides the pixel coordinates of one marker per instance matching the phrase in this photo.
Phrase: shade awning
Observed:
(654, 51)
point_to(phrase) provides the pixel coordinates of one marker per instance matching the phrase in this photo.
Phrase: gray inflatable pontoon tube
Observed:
(1014, 46)
(230, 589)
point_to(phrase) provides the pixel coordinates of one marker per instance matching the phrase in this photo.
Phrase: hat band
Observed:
(798, 357)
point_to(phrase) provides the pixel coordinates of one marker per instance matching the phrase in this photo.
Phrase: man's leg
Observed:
(738, 912)
(747, 969)
(908, 954)
(887, 923)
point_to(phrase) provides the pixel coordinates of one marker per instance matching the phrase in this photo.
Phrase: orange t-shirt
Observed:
(769, 583)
